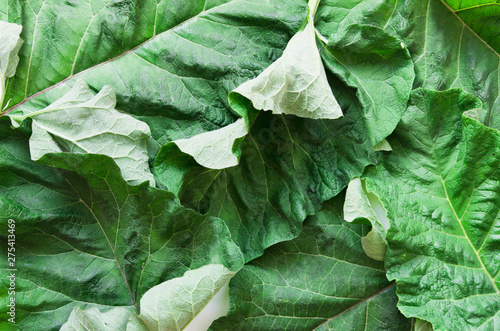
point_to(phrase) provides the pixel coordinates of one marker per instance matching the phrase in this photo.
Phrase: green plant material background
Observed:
(304, 162)
(189, 96)
(288, 166)
(172, 65)
(322, 279)
(440, 187)
(84, 237)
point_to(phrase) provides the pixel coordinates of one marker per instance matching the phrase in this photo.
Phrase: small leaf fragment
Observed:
(214, 149)
(374, 245)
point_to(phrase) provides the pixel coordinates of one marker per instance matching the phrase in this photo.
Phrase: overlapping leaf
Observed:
(288, 166)
(482, 17)
(320, 280)
(441, 188)
(86, 238)
(447, 54)
(367, 58)
(64, 38)
(81, 122)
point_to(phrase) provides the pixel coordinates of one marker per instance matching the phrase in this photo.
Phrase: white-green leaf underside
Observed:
(296, 83)
(214, 149)
(81, 122)
(169, 306)
(10, 43)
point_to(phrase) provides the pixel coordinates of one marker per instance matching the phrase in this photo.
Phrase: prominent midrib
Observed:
(475, 7)
(459, 220)
(110, 60)
(110, 246)
(357, 304)
(468, 27)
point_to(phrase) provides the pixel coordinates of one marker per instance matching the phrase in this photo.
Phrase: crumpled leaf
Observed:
(447, 54)
(86, 238)
(296, 83)
(441, 187)
(215, 149)
(168, 306)
(10, 43)
(81, 122)
(358, 206)
(173, 304)
(322, 279)
(368, 56)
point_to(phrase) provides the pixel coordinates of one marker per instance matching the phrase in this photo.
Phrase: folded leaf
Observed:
(296, 83)
(173, 304)
(441, 187)
(81, 122)
(86, 238)
(215, 149)
(358, 206)
(322, 279)
(10, 43)
(288, 166)
(367, 56)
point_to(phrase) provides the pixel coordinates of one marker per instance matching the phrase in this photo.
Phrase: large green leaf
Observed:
(447, 54)
(178, 82)
(368, 58)
(288, 166)
(441, 188)
(65, 37)
(86, 238)
(482, 17)
(322, 279)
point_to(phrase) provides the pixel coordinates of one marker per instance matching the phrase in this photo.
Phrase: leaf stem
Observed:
(313, 6)
(2, 89)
